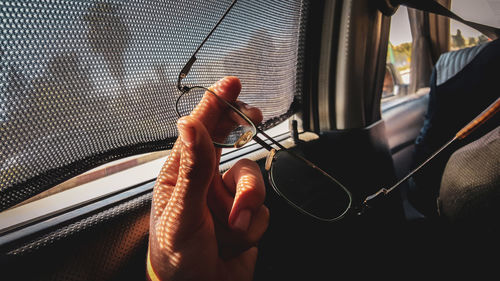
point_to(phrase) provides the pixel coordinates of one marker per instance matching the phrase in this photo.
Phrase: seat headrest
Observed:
(451, 63)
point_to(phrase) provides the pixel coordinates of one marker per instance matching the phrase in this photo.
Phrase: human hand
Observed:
(204, 225)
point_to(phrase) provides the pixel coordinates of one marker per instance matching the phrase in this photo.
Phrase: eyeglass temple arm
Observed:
(269, 148)
(463, 133)
(185, 70)
(265, 144)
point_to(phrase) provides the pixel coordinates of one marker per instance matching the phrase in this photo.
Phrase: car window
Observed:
(462, 36)
(85, 83)
(397, 75)
(480, 11)
(103, 171)
(399, 53)
(135, 167)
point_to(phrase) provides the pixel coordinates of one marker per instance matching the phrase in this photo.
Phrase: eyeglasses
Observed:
(300, 182)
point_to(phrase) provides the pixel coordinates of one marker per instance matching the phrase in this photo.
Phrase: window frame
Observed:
(123, 182)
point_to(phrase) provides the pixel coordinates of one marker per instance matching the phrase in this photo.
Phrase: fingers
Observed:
(246, 214)
(197, 161)
(234, 243)
(227, 88)
(196, 166)
(209, 110)
(236, 201)
(180, 194)
(251, 112)
(165, 182)
(258, 226)
(245, 180)
(217, 117)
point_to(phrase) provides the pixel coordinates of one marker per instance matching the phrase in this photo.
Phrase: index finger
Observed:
(208, 111)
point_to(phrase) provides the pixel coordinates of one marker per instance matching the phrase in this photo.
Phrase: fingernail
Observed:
(242, 221)
(186, 132)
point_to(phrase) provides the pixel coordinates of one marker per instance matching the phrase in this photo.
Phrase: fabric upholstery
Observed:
(452, 105)
(449, 64)
(470, 187)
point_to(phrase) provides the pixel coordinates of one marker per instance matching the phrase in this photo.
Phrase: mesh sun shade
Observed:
(86, 82)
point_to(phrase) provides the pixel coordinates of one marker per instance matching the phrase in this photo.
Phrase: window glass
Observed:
(87, 82)
(131, 165)
(398, 62)
(480, 11)
(100, 172)
(462, 36)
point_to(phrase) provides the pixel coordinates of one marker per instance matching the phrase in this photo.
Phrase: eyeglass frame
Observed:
(489, 112)
(255, 131)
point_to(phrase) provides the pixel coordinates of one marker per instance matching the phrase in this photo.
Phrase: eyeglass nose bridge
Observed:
(244, 139)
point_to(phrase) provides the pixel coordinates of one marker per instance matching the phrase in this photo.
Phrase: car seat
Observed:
(461, 88)
(470, 187)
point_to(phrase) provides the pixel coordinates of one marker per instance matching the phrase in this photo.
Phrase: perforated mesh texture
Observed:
(86, 82)
(108, 245)
(470, 188)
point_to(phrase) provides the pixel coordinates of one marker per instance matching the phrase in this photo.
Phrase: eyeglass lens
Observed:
(307, 187)
(240, 130)
(301, 184)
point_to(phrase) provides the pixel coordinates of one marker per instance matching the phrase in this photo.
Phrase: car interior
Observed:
(409, 128)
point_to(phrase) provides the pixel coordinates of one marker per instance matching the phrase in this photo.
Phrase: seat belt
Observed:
(388, 7)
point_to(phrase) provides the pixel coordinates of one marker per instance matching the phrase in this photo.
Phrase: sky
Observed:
(400, 27)
(482, 11)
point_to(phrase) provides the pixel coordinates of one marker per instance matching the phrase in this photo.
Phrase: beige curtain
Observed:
(431, 38)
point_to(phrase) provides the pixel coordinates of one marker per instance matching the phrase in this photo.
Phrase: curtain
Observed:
(431, 38)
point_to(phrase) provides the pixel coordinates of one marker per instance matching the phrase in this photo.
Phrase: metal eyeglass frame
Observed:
(246, 137)
(370, 200)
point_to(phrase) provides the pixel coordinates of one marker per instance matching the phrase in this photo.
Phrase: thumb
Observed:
(196, 170)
